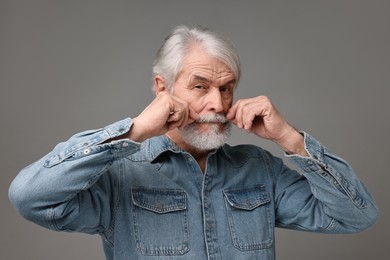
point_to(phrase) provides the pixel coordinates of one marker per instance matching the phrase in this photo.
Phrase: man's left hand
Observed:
(259, 116)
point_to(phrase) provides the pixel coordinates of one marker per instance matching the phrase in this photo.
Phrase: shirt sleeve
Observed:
(328, 197)
(70, 187)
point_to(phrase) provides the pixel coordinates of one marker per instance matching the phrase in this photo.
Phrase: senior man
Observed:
(165, 185)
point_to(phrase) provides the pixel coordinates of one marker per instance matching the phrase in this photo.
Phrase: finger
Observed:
(231, 114)
(250, 112)
(240, 112)
(176, 119)
(192, 117)
(183, 116)
(177, 123)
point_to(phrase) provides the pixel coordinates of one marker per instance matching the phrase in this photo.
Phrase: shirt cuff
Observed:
(91, 142)
(315, 161)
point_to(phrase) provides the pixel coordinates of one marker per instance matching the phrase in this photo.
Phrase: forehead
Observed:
(198, 62)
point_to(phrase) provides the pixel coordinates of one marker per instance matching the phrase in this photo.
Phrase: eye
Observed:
(225, 90)
(201, 87)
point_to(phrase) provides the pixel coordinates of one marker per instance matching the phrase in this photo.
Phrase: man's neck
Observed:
(199, 155)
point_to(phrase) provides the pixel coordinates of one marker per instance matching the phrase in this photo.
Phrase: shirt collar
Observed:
(159, 145)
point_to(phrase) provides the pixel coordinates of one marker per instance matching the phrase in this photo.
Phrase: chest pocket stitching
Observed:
(249, 217)
(161, 234)
(241, 199)
(169, 200)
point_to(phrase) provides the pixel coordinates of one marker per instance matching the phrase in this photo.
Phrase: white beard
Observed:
(213, 138)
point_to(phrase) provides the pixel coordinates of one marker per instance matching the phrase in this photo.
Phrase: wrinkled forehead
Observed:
(199, 65)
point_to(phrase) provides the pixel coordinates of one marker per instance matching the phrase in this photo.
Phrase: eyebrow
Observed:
(197, 78)
(200, 78)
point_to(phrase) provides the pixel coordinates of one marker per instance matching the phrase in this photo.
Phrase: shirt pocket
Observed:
(249, 217)
(160, 221)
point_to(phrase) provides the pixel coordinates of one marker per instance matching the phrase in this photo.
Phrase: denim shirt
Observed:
(150, 200)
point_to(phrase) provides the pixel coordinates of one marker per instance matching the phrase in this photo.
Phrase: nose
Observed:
(215, 102)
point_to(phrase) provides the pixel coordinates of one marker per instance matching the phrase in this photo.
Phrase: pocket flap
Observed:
(247, 198)
(159, 200)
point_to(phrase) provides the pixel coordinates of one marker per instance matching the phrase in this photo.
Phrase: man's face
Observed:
(207, 85)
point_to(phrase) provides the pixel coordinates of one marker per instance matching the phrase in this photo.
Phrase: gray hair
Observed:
(168, 62)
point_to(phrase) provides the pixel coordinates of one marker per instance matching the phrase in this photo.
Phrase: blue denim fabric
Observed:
(150, 200)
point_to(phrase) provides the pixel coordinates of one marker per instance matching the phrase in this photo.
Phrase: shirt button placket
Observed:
(210, 231)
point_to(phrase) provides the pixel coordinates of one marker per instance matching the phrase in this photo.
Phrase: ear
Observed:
(159, 84)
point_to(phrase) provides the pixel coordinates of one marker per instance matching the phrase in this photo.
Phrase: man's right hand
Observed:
(166, 112)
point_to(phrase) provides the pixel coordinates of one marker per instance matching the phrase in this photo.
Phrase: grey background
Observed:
(68, 66)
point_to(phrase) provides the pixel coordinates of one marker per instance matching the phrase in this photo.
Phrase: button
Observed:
(209, 225)
(86, 151)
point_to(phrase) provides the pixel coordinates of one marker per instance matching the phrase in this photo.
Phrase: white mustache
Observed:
(212, 118)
